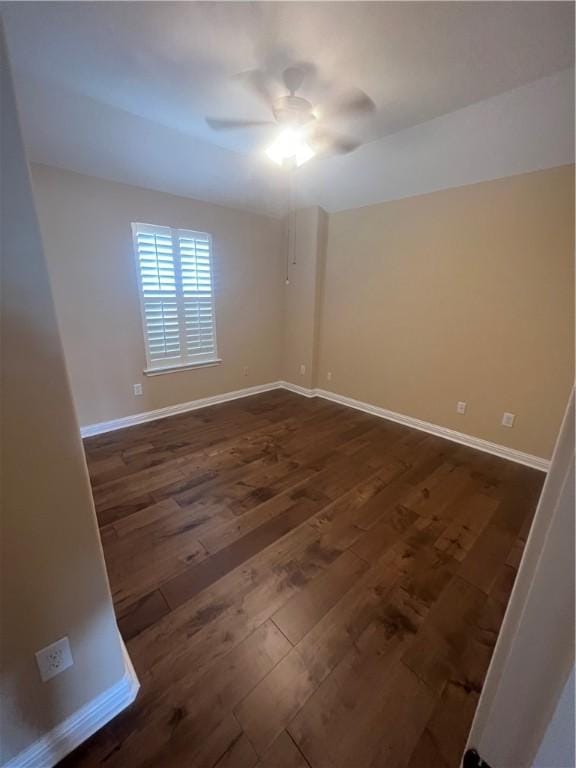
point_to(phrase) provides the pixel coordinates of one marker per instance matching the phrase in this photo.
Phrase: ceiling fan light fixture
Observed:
(290, 147)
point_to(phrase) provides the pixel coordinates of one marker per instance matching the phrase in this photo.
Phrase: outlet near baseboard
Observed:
(54, 658)
(508, 419)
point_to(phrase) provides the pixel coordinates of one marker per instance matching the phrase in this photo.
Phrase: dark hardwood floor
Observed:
(302, 585)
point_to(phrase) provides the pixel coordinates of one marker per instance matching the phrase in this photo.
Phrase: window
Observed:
(177, 296)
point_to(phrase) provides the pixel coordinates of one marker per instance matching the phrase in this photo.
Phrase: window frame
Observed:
(175, 232)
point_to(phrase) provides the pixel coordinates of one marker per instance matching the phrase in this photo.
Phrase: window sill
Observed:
(178, 368)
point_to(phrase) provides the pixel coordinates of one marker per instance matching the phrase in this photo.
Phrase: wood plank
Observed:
(384, 534)
(283, 754)
(216, 619)
(385, 555)
(441, 742)
(193, 707)
(140, 562)
(274, 702)
(222, 533)
(482, 563)
(231, 678)
(202, 752)
(354, 718)
(468, 524)
(143, 613)
(240, 754)
(370, 664)
(181, 588)
(427, 753)
(307, 607)
(445, 633)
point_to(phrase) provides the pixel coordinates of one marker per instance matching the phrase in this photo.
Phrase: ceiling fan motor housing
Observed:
(292, 110)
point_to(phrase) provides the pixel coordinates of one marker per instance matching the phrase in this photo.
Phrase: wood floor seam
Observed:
(298, 748)
(302, 585)
(280, 630)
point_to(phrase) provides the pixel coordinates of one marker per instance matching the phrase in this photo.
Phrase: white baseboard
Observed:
(69, 734)
(172, 410)
(434, 429)
(536, 462)
(297, 389)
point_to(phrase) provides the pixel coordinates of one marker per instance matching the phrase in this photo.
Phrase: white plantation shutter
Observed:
(197, 297)
(177, 295)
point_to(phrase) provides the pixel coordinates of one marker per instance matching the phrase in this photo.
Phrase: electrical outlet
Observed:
(54, 659)
(461, 406)
(329, 376)
(302, 370)
(137, 389)
(508, 419)
(245, 371)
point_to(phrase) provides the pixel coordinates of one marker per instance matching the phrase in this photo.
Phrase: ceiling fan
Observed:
(302, 133)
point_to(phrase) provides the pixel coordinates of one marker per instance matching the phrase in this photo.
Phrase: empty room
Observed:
(287, 384)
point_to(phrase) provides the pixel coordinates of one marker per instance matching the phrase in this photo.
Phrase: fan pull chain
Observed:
(291, 229)
(293, 213)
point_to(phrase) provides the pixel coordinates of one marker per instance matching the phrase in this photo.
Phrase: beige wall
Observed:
(412, 305)
(465, 294)
(534, 655)
(85, 224)
(304, 269)
(53, 577)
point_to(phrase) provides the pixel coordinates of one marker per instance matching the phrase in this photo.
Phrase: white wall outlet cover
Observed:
(508, 419)
(302, 370)
(55, 658)
(137, 389)
(329, 376)
(461, 406)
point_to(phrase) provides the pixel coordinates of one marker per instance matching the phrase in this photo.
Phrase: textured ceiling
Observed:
(122, 89)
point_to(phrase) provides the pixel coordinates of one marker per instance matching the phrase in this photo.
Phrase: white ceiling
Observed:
(121, 90)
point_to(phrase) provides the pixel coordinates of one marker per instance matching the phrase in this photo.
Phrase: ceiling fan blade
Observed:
(324, 141)
(354, 103)
(259, 83)
(223, 124)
